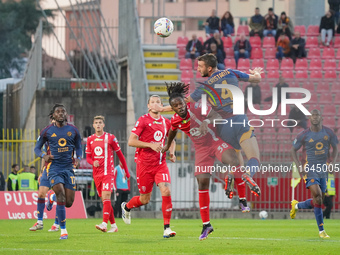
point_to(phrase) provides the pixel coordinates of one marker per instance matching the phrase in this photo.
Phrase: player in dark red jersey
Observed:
(148, 136)
(207, 147)
(99, 153)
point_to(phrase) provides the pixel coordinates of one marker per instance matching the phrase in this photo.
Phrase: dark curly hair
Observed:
(176, 89)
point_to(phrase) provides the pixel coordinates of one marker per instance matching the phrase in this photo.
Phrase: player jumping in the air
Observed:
(62, 139)
(316, 142)
(99, 154)
(148, 136)
(207, 146)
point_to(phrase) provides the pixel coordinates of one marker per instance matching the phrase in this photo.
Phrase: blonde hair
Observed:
(99, 117)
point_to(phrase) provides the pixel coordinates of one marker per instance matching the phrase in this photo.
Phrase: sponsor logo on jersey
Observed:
(62, 142)
(53, 135)
(185, 121)
(98, 139)
(157, 122)
(158, 135)
(311, 140)
(69, 133)
(98, 151)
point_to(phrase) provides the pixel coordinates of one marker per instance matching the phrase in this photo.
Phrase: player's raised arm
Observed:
(255, 75)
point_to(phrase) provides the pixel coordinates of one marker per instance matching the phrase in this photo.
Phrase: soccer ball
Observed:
(263, 215)
(163, 27)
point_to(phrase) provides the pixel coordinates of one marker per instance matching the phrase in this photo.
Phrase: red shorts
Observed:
(148, 175)
(104, 183)
(205, 156)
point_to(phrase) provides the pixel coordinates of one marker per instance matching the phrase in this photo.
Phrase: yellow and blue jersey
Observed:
(316, 147)
(61, 142)
(220, 98)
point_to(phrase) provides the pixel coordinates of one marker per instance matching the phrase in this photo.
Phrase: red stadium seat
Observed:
(288, 74)
(338, 54)
(313, 30)
(309, 85)
(265, 86)
(294, 84)
(301, 29)
(323, 86)
(227, 42)
(201, 39)
(195, 64)
(314, 53)
(272, 64)
(182, 41)
(329, 64)
(312, 42)
(273, 74)
(270, 53)
(287, 64)
(255, 42)
(325, 98)
(230, 63)
(187, 75)
(330, 74)
(181, 52)
(243, 64)
(328, 53)
(315, 64)
(243, 29)
(268, 42)
(328, 121)
(313, 99)
(315, 74)
(229, 52)
(337, 42)
(185, 64)
(330, 110)
(256, 53)
(301, 64)
(301, 74)
(257, 63)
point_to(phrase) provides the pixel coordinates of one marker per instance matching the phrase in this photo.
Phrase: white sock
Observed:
(40, 222)
(113, 225)
(296, 207)
(63, 231)
(56, 225)
(104, 223)
(321, 231)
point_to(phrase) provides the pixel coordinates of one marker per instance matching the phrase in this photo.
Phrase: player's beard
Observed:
(205, 74)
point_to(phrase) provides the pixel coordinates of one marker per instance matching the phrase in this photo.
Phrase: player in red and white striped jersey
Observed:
(99, 153)
(148, 136)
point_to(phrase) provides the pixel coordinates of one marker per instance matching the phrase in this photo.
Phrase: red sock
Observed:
(237, 172)
(204, 201)
(166, 209)
(134, 203)
(241, 188)
(112, 217)
(106, 210)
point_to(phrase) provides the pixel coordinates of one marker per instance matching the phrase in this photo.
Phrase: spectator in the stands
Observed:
(270, 23)
(194, 48)
(283, 47)
(256, 24)
(212, 24)
(242, 48)
(284, 26)
(219, 56)
(297, 115)
(327, 27)
(256, 95)
(217, 40)
(297, 47)
(334, 5)
(227, 24)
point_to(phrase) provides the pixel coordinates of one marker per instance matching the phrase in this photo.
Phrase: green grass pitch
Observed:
(145, 236)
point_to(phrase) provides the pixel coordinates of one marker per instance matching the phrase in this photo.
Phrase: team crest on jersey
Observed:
(69, 133)
(158, 135)
(98, 151)
(325, 137)
(52, 181)
(53, 135)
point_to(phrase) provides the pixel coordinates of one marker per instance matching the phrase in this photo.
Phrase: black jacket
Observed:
(199, 46)
(334, 5)
(327, 23)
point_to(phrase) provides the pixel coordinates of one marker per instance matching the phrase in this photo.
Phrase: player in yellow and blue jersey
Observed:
(316, 142)
(62, 139)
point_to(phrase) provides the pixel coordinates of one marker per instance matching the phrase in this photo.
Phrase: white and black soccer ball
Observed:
(263, 215)
(163, 27)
